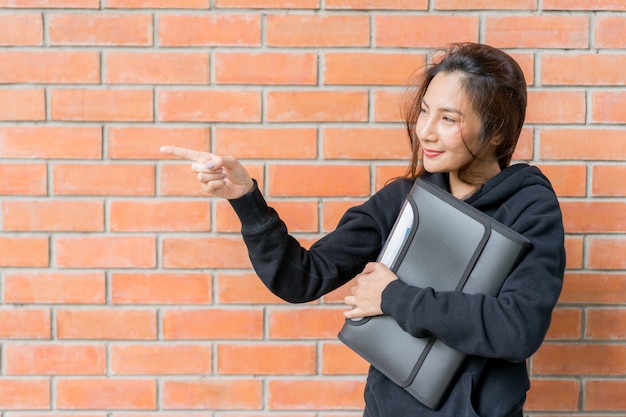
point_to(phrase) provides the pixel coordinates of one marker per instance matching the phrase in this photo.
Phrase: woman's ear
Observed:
(496, 140)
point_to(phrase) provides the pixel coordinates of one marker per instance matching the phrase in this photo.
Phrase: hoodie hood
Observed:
(500, 188)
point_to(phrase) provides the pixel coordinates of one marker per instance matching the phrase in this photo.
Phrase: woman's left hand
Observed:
(367, 293)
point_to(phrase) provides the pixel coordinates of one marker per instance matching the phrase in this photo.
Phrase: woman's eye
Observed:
(449, 119)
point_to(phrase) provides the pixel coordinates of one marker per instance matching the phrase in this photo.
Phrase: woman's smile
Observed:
(431, 153)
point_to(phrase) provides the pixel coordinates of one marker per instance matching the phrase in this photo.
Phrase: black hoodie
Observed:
(506, 329)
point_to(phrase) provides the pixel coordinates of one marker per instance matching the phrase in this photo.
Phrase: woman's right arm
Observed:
(299, 275)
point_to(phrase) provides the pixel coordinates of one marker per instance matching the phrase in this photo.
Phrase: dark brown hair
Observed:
(496, 88)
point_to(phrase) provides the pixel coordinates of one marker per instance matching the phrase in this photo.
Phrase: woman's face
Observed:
(447, 126)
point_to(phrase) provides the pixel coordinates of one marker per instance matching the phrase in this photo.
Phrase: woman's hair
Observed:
(495, 85)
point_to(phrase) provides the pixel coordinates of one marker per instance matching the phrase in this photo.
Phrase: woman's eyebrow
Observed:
(444, 109)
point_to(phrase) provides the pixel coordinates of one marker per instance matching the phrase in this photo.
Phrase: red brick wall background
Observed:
(125, 292)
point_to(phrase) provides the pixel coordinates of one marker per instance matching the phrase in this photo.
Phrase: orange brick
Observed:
(97, 179)
(581, 69)
(582, 144)
(283, 414)
(608, 31)
(101, 105)
(273, 68)
(602, 395)
(265, 359)
(386, 173)
(366, 143)
(53, 215)
(226, 220)
(608, 107)
(106, 324)
(50, 142)
(525, 146)
(566, 324)
(305, 323)
(580, 359)
(43, 414)
(105, 252)
(574, 248)
(83, 4)
(402, 31)
(55, 359)
(594, 217)
(268, 4)
(314, 180)
(160, 288)
(316, 394)
(209, 30)
(266, 143)
(388, 106)
(21, 29)
(209, 106)
(377, 4)
(291, 30)
(553, 394)
(100, 29)
(162, 216)
(608, 180)
(485, 5)
(607, 252)
(567, 180)
(338, 359)
(211, 324)
(332, 211)
(24, 323)
(156, 67)
(106, 394)
(160, 359)
(555, 107)
(24, 251)
(317, 106)
(179, 180)
(218, 252)
(50, 287)
(594, 288)
(160, 413)
(144, 142)
(612, 5)
(158, 4)
(22, 104)
(24, 394)
(243, 289)
(605, 324)
(23, 179)
(374, 68)
(222, 394)
(49, 67)
(540, 31)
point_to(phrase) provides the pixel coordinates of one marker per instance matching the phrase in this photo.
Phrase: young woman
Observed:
(463, 123)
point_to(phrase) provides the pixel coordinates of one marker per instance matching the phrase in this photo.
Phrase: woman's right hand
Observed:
(220, 176)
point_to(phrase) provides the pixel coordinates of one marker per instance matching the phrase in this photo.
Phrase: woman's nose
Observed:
(425, 129)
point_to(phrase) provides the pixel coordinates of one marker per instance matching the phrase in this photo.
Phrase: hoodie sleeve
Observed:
(512, 325)
(298, 275)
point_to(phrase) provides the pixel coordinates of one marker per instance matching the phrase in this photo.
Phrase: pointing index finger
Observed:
(190, 154)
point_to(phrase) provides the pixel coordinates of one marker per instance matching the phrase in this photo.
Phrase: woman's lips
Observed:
(429, 153)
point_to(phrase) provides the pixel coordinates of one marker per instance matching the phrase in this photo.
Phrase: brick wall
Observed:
(126, 292)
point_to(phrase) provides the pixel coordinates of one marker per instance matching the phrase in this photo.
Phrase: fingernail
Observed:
(210, 165)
